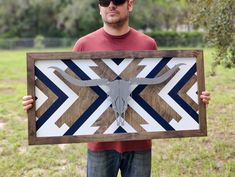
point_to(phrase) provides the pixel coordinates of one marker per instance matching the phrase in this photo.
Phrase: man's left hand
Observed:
(205, 97)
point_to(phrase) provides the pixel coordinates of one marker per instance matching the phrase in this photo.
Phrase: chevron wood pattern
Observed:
(66, 113)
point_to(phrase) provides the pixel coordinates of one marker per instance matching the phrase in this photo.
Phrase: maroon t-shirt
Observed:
(102, 41)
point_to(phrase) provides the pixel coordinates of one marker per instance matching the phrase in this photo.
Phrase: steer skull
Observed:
(119, 90)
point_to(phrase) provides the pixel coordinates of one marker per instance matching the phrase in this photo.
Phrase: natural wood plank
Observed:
(151, 95)
(132, 118)
(51, 98)
(86, 97)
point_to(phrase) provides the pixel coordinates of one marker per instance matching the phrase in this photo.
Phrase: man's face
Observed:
(116, 14)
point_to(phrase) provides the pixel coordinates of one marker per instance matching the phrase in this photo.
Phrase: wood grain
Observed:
(88, 96)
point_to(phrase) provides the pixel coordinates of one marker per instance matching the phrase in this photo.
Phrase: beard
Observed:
(116, 20)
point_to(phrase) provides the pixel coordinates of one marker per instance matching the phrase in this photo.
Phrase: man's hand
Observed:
(27, 102)
(205, 97)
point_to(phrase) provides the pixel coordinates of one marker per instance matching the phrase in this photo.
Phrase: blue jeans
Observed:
(107, 163)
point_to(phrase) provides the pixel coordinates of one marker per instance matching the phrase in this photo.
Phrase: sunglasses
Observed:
(105, 3)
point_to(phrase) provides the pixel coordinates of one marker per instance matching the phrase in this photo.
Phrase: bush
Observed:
(38, 42)
(174, 39)
(8, 44)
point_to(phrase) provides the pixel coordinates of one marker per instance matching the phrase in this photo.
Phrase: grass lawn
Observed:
(213, 155)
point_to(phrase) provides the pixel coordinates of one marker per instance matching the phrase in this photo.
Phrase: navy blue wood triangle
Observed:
(120, 130)
(117, 60)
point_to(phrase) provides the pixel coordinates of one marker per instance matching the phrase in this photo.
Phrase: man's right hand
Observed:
(27, 102)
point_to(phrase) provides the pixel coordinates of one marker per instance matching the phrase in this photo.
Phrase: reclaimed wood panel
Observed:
(66, 113)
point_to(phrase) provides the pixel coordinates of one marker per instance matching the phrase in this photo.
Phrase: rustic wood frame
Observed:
(32, 57)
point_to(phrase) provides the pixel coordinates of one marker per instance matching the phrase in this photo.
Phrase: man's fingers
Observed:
(205, 97)
(28, 97)
(206, 101)
(206, 93)
(26, 108)
(25, 103)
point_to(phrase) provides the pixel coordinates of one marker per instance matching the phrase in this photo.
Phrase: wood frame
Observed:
(32, 57)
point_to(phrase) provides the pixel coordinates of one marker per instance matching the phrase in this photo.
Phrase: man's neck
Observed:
(115, 30)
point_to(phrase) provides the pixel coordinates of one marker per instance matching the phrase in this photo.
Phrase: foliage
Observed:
(38, 42)
(8, 44)
(163, 39)
(159, 14)
(79, 18)
(218, 18)
(28, 18)
(72, 18)
(51, 18)
(174, 39)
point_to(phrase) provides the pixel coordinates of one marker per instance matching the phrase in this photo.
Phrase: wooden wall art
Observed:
(115, 96)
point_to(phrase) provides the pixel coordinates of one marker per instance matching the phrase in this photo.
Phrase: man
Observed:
(133, 158)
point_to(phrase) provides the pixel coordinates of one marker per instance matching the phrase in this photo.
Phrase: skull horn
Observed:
(81, 83)
(157, 80)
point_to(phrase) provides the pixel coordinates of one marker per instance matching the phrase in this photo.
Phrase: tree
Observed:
(158, 14)
(28, 18)
(217, 16)
(73, 18)
(79, 17)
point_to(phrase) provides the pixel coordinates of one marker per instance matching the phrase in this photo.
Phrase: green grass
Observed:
(213, 155)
